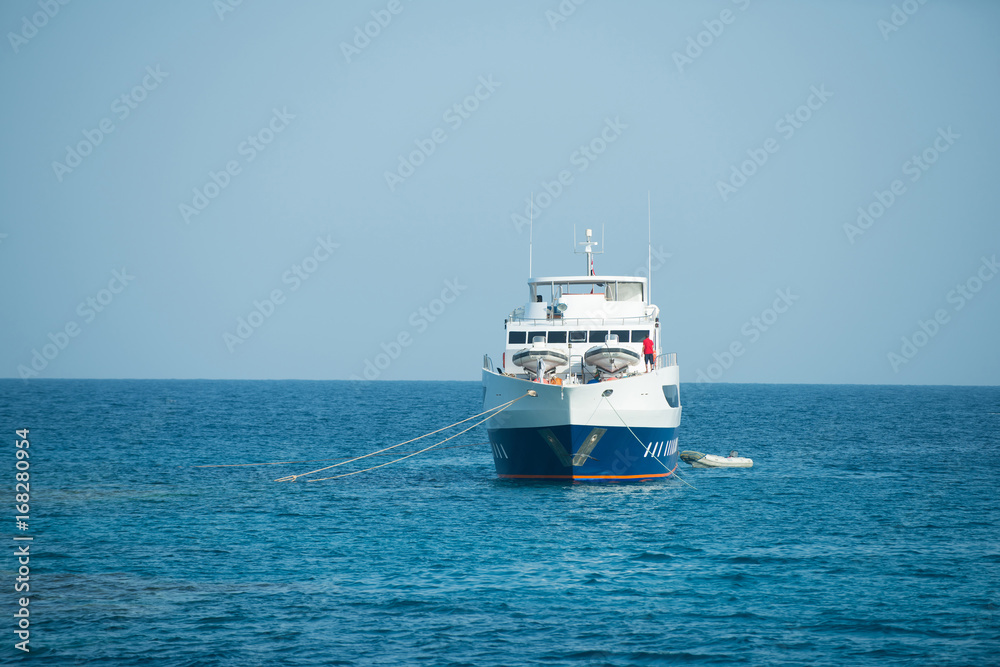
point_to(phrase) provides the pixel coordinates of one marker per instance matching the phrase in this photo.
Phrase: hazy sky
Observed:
(261, 189)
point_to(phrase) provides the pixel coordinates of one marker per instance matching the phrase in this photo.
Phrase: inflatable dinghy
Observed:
(699, 460)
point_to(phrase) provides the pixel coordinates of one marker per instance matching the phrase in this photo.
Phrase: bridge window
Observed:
(639, 335)
(557, 336)
(598, 336)
(630, 291)
(624, 292)
(578, 336)
(516, 337)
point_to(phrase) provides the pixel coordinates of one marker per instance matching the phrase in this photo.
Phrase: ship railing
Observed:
(666, 359)
(583, 321)
(577, 367)
(487, 363)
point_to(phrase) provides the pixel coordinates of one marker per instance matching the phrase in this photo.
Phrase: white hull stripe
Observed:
(661, 448)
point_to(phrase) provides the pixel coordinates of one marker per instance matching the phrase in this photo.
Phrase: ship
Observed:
(595, 407)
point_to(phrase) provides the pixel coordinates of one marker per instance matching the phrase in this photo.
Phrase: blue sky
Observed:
(262, 190)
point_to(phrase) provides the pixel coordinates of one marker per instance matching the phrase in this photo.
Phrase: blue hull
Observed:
(574, 452)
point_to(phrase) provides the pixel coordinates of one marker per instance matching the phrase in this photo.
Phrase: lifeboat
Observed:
(611, 358)
(535, 357)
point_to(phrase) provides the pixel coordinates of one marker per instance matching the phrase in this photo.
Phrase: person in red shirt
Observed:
(647, 349)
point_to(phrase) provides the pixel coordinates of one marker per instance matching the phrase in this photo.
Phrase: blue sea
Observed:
(867, 532)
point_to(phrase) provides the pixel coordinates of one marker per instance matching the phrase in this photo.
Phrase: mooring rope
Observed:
(644, 446)
(494, 410)
(283, 463)
(382, 465)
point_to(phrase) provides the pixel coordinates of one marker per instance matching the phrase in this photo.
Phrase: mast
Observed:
(531, 230)
(588, 250)
(649, 250)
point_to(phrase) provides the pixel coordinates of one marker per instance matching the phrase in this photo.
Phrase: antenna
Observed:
(531, 230)
(649, 250)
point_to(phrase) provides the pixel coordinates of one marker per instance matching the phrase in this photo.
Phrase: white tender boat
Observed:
(699, 460)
